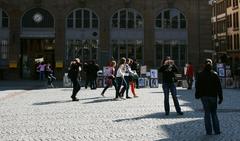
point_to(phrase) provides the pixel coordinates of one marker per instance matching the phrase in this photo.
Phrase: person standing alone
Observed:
(208, 88)
(168, 70)
(189, 75)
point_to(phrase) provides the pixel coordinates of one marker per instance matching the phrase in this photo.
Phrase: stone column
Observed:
(14, 45)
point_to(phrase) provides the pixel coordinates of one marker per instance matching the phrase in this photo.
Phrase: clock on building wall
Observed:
(38, 17)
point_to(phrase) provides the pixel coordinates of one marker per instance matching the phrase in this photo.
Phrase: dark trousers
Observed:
(76, 87)
(170, 87)
(126, 88)
(190, 82)
(120, 82)
(210, 114)
(114, 83)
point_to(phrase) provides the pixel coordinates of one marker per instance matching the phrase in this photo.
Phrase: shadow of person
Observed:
(51, 102)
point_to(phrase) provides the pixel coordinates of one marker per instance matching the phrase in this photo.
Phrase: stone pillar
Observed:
(149, 37)
(60, 45)
(14, 45)
(104, 38)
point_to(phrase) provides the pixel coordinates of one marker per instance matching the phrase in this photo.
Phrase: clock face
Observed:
(37, 17)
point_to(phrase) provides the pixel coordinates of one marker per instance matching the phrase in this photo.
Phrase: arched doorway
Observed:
(37, 41)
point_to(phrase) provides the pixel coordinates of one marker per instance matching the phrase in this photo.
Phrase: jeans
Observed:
(210, 116)
(172, 88)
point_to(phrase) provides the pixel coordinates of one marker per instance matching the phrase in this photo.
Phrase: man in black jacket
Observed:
(74, 76)
(208, 88)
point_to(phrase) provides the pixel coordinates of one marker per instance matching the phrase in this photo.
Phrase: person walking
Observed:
(41, 67)
(168, 70)
(111, 78)
(208, 88)
(75, 78)
(120, 78)
(50, 76)
(189, 75)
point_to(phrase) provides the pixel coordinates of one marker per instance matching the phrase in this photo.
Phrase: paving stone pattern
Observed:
(50, 115)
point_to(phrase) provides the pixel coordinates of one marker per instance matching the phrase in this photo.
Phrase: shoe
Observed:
(136, 96)
(180, 113)
(102, 95)
(217, 133)
(122, 98)
(166, 114)
(128, 97)
(75, 99)
(117, 99)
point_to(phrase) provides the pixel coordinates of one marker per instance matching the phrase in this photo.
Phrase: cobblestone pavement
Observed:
(49, 114)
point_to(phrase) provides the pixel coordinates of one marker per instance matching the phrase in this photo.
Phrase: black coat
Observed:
(168, 73)
(208, 84)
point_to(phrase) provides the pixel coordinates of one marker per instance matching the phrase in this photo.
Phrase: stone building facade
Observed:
(147, 30)
(225, 23)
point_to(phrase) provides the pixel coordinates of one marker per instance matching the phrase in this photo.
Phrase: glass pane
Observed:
(131, 51)
(139, 21)
(182, 21)
(130, 20)
(159, 48)
(4, 19)
(115, 49)
(167, 19)
(78, 19)
(175, 22)
(122, 49)
(159, 23)
(86, 19)
(139, 48)
(167, 50)
(175, 53)
(115, 21)
(123, 19)
(94, 21)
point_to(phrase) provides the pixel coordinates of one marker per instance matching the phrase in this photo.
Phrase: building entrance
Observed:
(34, 51)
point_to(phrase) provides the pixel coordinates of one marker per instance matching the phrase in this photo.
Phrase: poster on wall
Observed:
(154, 83)
(143, 69)
(221, 72)
(107, 71)
(141, 82)
(153, 73)
(229, 82)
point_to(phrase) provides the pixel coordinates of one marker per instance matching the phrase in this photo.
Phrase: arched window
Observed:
(171, 18)
(37, 18)
(127, 18)
(3, 19)
(82, 18)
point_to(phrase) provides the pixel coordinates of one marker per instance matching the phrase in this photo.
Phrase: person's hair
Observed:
(113, 63)
(122, 61)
